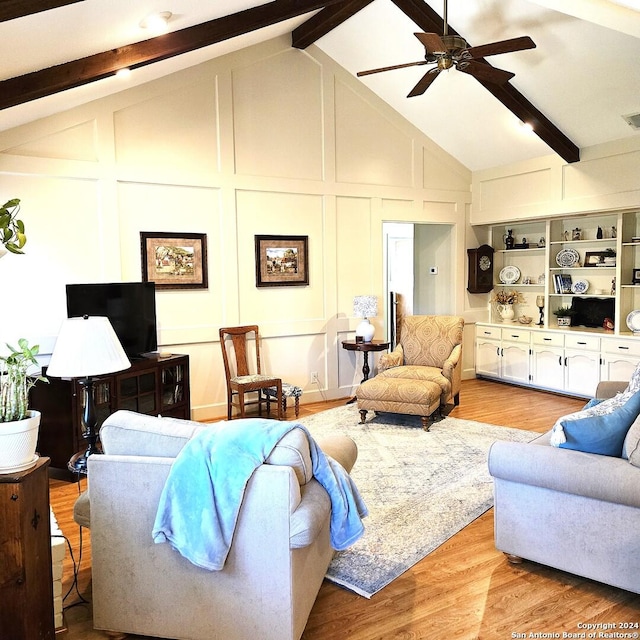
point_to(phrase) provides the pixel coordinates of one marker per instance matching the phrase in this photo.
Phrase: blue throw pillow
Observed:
(602, 434)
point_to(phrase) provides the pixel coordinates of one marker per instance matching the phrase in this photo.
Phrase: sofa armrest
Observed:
(609, 388)
(393, 359)
(566, 470)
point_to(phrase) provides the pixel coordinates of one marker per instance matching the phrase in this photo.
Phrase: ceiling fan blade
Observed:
(396, 66)
(504, 46)
(424, 83)
(486, 72)
(432, 42)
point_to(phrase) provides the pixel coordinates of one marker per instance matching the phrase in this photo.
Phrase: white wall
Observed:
(269, 140)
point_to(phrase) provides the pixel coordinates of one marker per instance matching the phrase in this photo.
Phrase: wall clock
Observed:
(480, 269)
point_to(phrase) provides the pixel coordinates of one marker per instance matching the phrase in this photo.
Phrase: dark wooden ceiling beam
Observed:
(428, 20)
(38, 84)
(324, 21)
(12, 9)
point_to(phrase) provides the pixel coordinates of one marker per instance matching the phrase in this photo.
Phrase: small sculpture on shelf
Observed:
(576, 234)
(614, 232)
(509, 240)
(599, 234)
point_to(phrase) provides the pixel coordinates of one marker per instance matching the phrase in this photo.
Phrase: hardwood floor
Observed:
(464, 590)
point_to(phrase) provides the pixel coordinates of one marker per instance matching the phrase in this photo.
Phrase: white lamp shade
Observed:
(365, 306)
(87, 347)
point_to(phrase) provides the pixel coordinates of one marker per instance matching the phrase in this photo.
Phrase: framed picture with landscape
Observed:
(282, 261)
(174, 260)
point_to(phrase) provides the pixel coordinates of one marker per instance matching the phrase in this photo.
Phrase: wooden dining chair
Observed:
(245, 378)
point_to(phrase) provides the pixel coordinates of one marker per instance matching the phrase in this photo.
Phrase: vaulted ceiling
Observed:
(574, 88)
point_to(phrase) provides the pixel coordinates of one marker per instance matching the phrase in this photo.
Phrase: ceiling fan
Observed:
(448, 51)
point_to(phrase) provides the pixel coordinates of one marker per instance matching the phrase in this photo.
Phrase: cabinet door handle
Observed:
(581, 342)
(560, 360)
(547, 339)
(487, 333)
(565, 361)
(624, 348)
(515, 335)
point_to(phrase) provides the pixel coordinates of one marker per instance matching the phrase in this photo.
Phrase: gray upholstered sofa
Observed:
(575, 511)
(279, 555)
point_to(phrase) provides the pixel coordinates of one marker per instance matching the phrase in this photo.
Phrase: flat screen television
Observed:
(130, 307)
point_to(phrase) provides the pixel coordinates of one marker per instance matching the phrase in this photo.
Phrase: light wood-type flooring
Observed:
(464, 590)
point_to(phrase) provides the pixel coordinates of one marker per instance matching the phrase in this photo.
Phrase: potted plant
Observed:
(564, 316)
(18, 424)
(12, 235)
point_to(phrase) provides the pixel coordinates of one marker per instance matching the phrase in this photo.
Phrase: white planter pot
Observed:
(564, 321)
(18, 441)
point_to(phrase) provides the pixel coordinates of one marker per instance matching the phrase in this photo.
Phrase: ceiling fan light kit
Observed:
(449, 51)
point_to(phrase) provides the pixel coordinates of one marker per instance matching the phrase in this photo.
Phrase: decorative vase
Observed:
(18, 441)
(506, 311)
(509, 240)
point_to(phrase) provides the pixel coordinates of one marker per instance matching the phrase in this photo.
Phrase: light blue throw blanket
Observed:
(201, 499)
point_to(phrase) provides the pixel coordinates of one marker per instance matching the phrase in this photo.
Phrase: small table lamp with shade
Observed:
(365, 307)
(87, 348)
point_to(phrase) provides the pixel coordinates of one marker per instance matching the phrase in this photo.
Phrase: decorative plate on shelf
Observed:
(633, 321)
(509, 275)
(567, 258)
(580, 286)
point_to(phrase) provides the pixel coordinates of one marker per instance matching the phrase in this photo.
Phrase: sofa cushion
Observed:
(293, 451)
(601, 434)
(136, 434)
(631, 446)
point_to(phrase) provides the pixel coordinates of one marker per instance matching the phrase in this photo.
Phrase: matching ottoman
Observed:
(399, 395)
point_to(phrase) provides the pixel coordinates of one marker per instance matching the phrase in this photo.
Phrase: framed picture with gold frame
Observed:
(174, 260)
(282, 261)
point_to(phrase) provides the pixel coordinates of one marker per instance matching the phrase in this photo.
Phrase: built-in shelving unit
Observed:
(604, 254)
(608, 250)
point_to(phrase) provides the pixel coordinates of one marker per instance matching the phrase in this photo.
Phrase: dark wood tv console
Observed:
(153, 385)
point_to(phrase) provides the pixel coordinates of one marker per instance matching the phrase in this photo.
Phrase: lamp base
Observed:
(366, 330)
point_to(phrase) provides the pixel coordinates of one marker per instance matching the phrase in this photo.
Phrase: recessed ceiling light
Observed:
(157, 22)
(633, 120)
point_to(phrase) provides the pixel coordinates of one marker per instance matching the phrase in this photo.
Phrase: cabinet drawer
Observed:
(516, 335)
(548, 339)
(626, 347)
(590, 343)
(488, 332)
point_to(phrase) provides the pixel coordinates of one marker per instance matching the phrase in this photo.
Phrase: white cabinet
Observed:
(547, 360)
(581, 364)
(488, 351)
(619, 358)
(514, 353)
(565, 361)
(503, 354)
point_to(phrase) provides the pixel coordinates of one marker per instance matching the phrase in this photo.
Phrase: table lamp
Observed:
(87, 348)
(365, 307)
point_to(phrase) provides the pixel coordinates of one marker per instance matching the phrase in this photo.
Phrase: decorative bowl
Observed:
(525, 319)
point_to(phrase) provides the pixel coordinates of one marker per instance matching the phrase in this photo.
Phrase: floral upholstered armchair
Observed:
(430, 349)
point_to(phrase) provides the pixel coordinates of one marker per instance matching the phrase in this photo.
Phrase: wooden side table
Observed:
(26, 584)
(365, 347)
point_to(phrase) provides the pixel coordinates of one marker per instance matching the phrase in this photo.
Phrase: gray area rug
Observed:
(421, 488)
